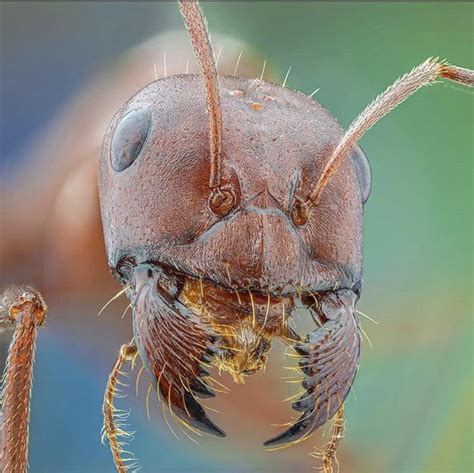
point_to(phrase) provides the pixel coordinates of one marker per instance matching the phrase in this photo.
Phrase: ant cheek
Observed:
(129, 138)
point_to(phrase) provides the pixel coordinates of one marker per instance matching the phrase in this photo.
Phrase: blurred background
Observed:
(65, 70)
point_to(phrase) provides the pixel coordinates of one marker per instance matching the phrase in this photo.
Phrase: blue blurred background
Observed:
(411, 410)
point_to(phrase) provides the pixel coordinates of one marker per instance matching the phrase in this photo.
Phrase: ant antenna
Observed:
(425, 73)
(197, 30)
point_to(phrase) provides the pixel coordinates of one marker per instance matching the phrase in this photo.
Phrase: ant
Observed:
(219, 224)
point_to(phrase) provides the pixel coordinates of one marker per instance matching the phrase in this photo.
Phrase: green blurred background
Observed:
(412, 406)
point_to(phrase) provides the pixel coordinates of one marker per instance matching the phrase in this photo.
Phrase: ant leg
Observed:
(328, 455)
(114, 427)
(25, 307)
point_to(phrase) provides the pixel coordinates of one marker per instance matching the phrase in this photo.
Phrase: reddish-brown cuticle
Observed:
(26, 308)
(18, 300)
(221, 201)
(300, 213)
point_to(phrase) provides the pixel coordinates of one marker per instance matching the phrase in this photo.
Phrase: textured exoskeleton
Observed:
(154, 194)
(227, 202)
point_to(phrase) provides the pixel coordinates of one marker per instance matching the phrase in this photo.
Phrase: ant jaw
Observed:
(173, 344)
(329, 359)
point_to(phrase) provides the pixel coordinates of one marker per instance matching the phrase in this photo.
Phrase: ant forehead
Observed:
(245, 88)
(257, 101)
(284, 123)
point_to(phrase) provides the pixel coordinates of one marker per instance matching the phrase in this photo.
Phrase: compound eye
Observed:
(129, 138)
(363, 172)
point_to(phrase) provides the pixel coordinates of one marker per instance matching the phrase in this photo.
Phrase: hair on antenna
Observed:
(424, 74)
(197, 30)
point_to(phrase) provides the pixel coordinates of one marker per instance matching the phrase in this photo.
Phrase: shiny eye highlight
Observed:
(129, 138)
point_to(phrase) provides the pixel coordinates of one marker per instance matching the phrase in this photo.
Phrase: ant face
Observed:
(155, 194)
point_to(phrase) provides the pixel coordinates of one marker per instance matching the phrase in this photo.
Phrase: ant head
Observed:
(244, 193)
(158, 205)
(217, 182)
